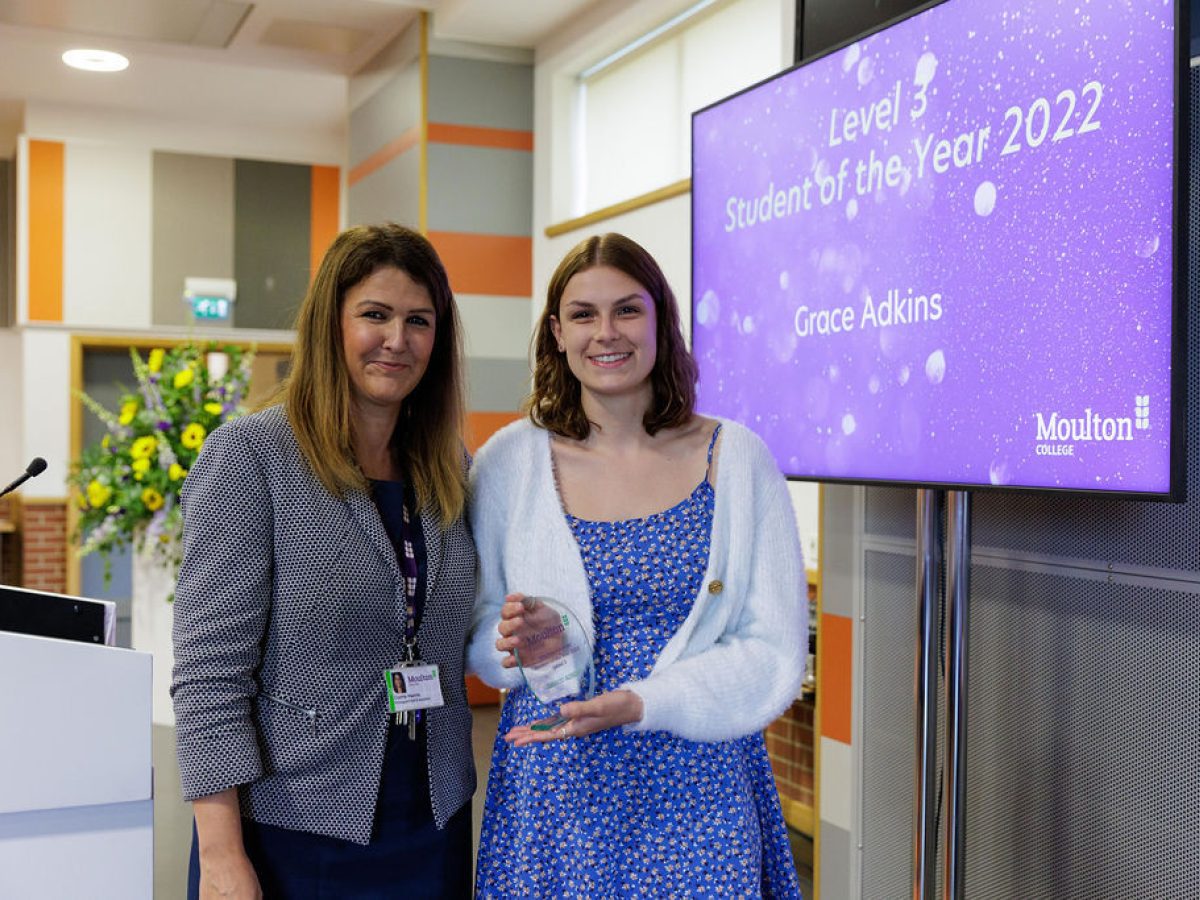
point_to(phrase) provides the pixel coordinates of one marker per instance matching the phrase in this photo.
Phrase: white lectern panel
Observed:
(75, 723)
(76, 807)
(93, 852)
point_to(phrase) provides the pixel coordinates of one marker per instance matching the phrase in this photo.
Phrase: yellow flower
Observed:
(104, 442)
(141, 466)
(193, 436)
(176, 472)
(98, 494)
(128, 410)
(154, 363)
(213, 409)
(152, 499)
(143, 446)
(184, 377)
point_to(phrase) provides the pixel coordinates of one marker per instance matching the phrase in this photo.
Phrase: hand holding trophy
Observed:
(554, 655)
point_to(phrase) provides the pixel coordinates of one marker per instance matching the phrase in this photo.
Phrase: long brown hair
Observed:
(556, 401)
(427, 441)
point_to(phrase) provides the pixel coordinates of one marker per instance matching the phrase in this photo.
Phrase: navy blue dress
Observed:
(407, 854)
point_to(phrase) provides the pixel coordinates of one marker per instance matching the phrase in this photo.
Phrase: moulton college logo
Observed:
(1057, 435)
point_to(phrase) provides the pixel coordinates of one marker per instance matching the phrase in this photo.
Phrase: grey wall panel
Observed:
(386, 115)
(496, 385)
(889, 663)
(272, 219)
(839, 564)
(836, 849)
(480, 92)
(192, 228)
(390, 193)
(480, 190)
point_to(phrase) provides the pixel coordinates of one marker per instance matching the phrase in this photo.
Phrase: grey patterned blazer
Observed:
(289, 606)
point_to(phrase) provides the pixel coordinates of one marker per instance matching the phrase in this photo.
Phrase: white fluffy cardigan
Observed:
(737, 660)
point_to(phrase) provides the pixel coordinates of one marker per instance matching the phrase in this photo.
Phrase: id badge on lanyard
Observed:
(411, 684)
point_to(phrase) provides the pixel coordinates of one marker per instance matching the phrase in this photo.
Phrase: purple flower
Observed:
(164, 425)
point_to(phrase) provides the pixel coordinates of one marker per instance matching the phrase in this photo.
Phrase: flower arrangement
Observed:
(127, 486)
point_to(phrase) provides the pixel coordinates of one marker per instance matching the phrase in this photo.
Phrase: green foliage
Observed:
(127, 485)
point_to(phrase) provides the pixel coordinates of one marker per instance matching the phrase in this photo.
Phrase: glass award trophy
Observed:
(555, 656)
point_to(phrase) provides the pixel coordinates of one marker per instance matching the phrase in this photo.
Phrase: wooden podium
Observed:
(76, 808)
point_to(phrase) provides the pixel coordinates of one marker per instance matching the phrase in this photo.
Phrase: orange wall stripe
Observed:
(385, 154)
(480, 694)
(482, 425)
(46, 164)
(477, 136)
(835, 661)
(498, 265)
(323, 217)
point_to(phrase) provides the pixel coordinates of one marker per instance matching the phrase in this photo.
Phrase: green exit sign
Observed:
(210, 307)
(210, 299)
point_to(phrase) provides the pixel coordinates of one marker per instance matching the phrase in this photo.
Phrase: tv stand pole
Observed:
(958, 589)
(958, 582)
(929, 568)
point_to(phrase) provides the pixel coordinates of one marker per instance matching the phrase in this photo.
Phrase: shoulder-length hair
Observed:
(555, 402)
(317, 394)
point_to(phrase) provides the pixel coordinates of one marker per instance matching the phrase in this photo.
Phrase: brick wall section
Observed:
(790, 746)
(44, 546)
(10, 542)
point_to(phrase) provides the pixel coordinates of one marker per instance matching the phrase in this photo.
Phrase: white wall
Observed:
(46, 423)
(106, 235)
(599, 31)
(175, 131)
(11, 404)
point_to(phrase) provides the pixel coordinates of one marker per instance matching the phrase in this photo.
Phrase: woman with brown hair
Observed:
(324, 551)
(670, 537)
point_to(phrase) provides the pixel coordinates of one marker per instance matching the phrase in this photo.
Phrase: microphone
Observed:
(36, 467)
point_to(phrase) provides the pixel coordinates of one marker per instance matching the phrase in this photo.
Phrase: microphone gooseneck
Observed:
(36, 467)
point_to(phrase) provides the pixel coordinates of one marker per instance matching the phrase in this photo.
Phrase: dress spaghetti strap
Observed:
(712, 443)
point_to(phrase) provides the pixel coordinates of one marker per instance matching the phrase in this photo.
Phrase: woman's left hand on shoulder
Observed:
(609, 710)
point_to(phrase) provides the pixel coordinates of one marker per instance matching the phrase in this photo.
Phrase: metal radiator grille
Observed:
(1083, 750)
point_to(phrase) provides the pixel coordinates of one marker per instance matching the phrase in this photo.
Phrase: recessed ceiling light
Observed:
(95, 60)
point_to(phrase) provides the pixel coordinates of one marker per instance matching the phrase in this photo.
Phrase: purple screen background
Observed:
(1053, 263)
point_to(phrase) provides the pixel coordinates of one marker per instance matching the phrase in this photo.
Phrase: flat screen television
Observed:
(821, 24)
(949, 253)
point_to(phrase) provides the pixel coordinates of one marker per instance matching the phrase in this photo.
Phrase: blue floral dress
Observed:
(634, 814)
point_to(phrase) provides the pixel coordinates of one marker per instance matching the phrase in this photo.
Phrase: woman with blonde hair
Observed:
(670, 537)
(324, 552)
